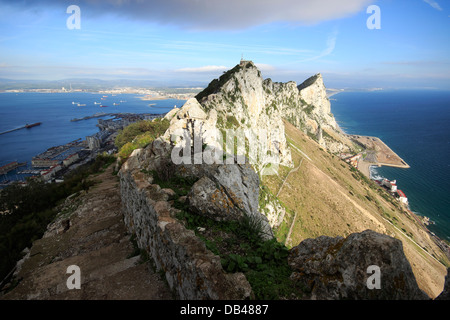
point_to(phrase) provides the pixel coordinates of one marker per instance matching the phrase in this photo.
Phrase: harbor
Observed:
(375, 153)
(55, 162)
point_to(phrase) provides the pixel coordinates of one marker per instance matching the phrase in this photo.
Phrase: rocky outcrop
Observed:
(445, 295)
(227, 193)
(340, 268)
(242, 99)
(191, 270)
(314, 93)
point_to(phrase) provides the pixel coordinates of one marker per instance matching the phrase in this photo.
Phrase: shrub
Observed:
(139, 135)
(27, 210)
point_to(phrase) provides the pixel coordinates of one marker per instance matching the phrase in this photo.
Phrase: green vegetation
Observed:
(309, 109)
(139, 135)
(180, 185)
(239, 245)
(216, 84)
(25, 211)
(232, 122)
(241, 249)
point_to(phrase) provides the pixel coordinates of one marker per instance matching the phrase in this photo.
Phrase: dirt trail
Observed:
(94, 238)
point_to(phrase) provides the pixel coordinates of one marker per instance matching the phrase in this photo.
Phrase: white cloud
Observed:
(433, 4)
(203, 69)
(217, 14)
(330, 46)
(265, 67)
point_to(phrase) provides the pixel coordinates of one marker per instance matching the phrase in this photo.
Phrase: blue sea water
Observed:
(54, 111)
(415, 125)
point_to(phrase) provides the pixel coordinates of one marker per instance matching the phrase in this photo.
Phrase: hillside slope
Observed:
(323, 195)
(90, 233)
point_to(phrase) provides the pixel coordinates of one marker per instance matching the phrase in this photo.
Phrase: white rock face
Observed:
(191, 121)
(242, 100)
(313, 92)
(228, 193)
(169, 116)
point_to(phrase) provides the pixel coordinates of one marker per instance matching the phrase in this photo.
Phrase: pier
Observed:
(10, 167)
(27, 126)
(376, 153)
(8, 131)
(97, 115)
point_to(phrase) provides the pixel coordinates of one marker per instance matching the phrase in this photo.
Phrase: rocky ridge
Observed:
(323, 268)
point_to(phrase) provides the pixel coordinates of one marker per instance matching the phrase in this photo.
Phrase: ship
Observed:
(97, 102)
(116, 104)
(82, 105)
(28, 126)
(103, 106)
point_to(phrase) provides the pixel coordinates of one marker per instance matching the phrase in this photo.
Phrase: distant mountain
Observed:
(93, 84)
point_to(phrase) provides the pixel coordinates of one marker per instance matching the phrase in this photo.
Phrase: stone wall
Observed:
(191, 270)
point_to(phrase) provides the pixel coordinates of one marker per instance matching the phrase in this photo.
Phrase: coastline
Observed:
(371, 160)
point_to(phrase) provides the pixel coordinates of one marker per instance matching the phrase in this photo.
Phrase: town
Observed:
(52, 164)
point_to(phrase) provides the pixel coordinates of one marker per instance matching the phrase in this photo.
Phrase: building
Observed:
(354, 160)
(402, 197)
(95, 141)
(71, 159)
(43, 162)
(243, 62)
(48, 174)
(390, 185)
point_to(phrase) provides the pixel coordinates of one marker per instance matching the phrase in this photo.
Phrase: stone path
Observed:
(94, 238)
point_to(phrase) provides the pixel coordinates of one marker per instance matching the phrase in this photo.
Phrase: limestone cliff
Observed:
(242, 98)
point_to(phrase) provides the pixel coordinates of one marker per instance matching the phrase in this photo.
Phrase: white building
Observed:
(391, 185)
(402, 197)
(50, 173)
(70, 159)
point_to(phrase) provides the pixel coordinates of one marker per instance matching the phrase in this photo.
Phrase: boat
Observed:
(28, 126)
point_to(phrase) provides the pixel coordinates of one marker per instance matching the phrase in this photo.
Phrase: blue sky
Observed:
(182, 40)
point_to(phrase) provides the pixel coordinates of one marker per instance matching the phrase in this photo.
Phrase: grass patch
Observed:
(241, 249)
(139, 135)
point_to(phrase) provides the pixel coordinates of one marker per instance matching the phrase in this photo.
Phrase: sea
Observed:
(416, 126)
(55, 112)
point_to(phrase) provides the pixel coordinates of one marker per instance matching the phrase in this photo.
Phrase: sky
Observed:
(195, 41)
